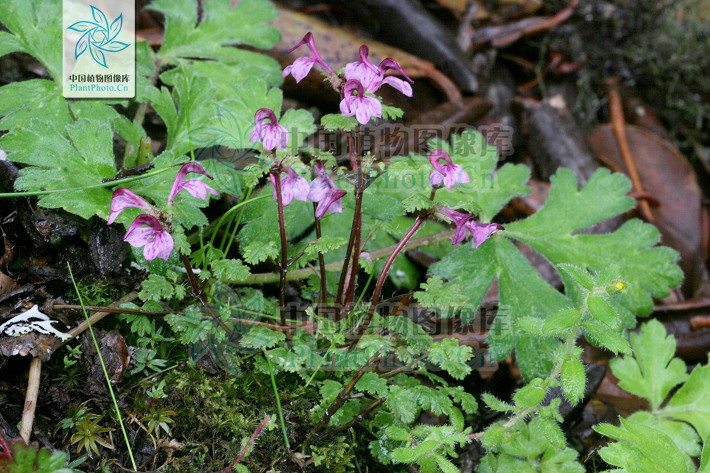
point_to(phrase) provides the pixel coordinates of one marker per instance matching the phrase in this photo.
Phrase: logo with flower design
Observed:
(98, 36)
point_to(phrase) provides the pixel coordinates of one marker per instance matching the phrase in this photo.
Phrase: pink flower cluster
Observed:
(322, 190)
(450, 174)
(361, 77)
(150, 230)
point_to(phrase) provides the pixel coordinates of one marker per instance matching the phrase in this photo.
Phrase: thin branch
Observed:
(250, 443)
(28, 413)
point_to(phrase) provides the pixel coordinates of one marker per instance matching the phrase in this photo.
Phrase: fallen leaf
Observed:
(668, 176)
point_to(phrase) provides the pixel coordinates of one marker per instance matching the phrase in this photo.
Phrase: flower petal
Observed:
(318, 190)
(124, 199)
(198, 189)
(481, 231)
(161, 247)
(398, 84)
(300, 68)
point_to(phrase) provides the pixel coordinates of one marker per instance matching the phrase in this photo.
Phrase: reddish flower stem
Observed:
(321, 263)
(351, 242)
(383, 275)
(283, 266)
(248, 445)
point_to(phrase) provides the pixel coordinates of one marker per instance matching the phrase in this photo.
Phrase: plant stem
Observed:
(351, 241)
(321, 263)
(357, 222)
(284, 248)
(95, 186)
(278, 402)
(199, 294)
(250, 443)
(341, 398)
(103, 367)
(233, 231)
(383, 275)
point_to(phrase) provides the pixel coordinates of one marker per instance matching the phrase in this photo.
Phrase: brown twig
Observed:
(616, 112)
(248, 445)
(28, 413)
(108, 310)
(79, 329)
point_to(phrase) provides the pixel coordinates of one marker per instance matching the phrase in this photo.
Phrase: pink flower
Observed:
(293, 186)
(124, 199)
(448, 173)
(361, 106)
(326, 193)
(372, 77)
(465, 223)
(196, 188)
(147, 231)
(303, 65)
(271, 135)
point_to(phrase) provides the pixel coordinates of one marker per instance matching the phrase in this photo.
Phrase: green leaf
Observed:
(561, 322)
(229, 270)
(336, 121)
(401, 404)
(690, 402)
(221, 27)
(30, 460)
(641, 449)
(261, 337)
(324, 244)
(573, 379)
(602, 311)
(256, 252)
(451, 357)
(496, 404)
(601, 335)
(390, 112)
(446, 465)
(551, 430)
(417, 201)
(79, 155)
(373, 384)
(443, 298)
(652, 371)
(432, 399)
(21, 102)
(530, 395)
(684, 436)
(157, 288)
(493, 436)
(37, 26)
(553, 231)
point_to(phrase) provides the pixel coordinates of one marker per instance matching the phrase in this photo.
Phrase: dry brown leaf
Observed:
(669, 177)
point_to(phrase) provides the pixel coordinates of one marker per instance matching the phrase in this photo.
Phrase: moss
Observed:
(214, 414)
